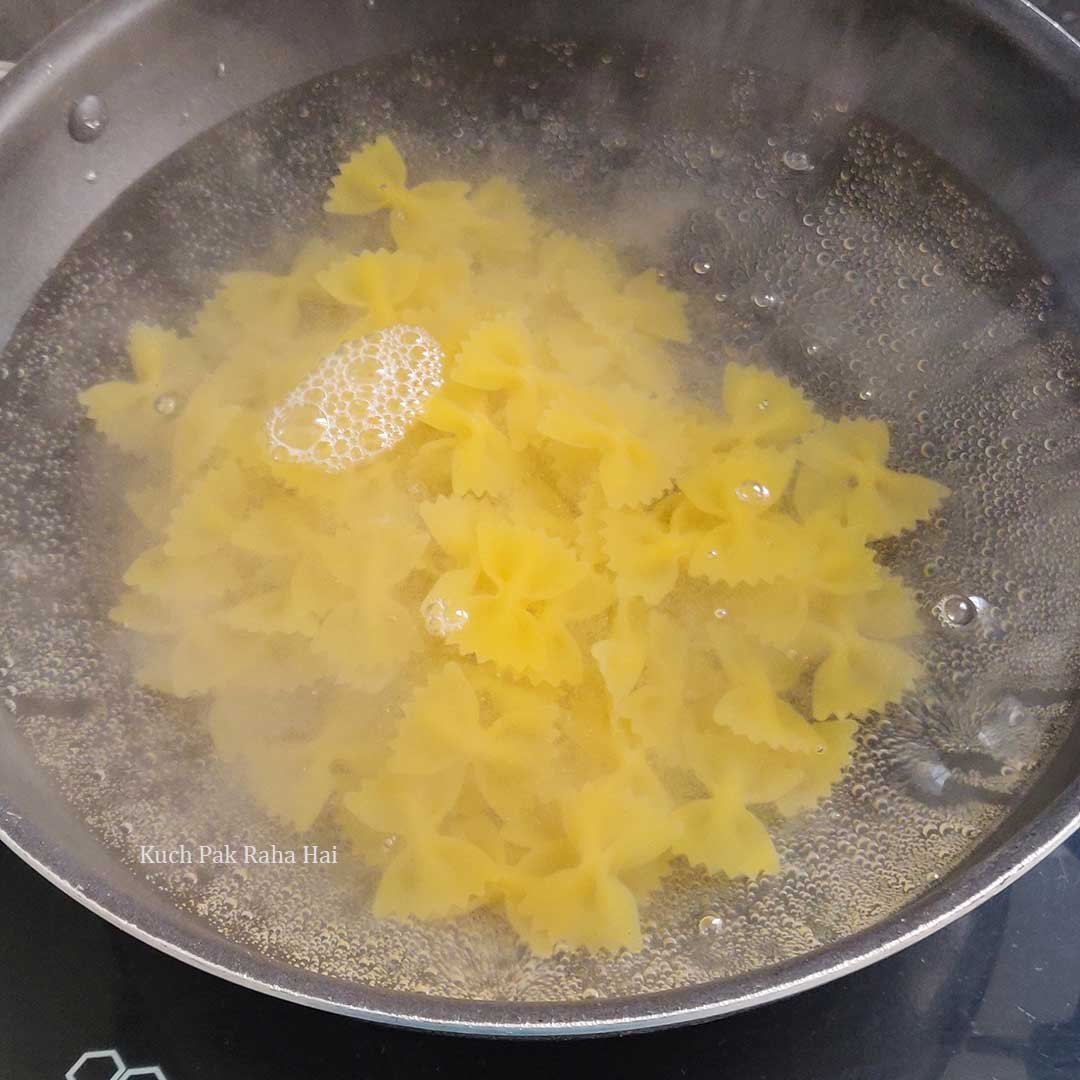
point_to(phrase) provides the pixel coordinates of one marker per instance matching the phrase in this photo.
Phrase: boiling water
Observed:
(810, 238)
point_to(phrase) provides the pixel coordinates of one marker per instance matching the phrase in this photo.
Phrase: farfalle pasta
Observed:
(545, 624)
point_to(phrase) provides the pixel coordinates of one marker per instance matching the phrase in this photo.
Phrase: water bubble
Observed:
(710, 924)
(763, 404)
(721, 297)
(712, 553)
(813, 349)
(1007, 730)
(219, 69)
(166, 404)
(90, 176)
(701, 266)
(865, 395)
(765, 300)
(389, 842)
(439, 620)
(300, 427)
(641, 71)
(87, 119)
(798, 161)
(606, 58)
(752, 491)
(720, 613)
(955, 611)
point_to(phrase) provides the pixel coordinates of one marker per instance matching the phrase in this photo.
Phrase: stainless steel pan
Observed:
(950, 126)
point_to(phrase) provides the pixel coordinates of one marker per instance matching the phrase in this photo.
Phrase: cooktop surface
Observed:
(994, 996)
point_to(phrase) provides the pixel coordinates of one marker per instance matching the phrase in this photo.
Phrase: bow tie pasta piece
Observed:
(373, 178)
(504, 228)
(434, 217)
(761, 408)
(576, 351)
(752, 706)
(624, 328)
(639, 445)
(844, 476)
(890, 611)
(586, 903)
(644, 552)
(289, 748)
(430, 217)
(453, 522)
(654, 309)
(820, 771)
(773, 614)
(513, 599)
(257, 308)
(429, 875)
(621, 657)
(381, 283)
(722, 835)
(838, 561)
(291, 778)
(654, 709)
(200, 432)
(500, 356)
(577, 907)
(367, 637)
(754, 710)
(482, 461)
(508, 745)
(135, 416)
(728, 764)
(393, 804)
(739, 485)
(587, 277)
(569, 267)
(861, 676)
(751, 550)
(436, 877)
(751, 541)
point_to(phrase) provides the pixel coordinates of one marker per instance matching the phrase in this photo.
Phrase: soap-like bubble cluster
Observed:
(360, 401)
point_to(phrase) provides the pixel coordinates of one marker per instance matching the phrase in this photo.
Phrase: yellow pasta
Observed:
(560, 624)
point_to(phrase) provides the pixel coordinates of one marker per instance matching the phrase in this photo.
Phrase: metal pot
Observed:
(102, 222)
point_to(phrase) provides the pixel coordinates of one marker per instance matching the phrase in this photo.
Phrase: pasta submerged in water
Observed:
(453, 558)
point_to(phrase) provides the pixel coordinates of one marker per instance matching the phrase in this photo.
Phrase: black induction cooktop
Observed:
(994, 996)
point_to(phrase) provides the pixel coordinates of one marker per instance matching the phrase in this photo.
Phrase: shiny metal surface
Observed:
(95, 53)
